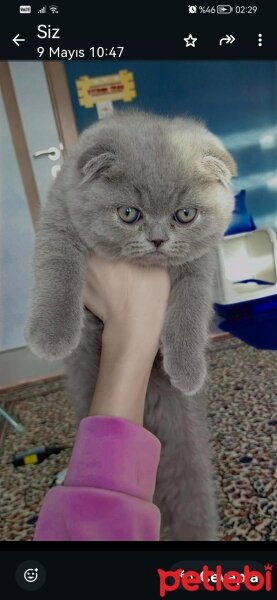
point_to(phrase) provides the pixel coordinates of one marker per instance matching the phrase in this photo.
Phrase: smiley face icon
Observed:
(31, 575)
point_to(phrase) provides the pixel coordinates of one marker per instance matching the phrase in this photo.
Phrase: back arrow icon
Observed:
(17, 39)
(229, 39)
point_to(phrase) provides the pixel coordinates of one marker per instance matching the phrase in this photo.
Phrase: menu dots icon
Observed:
(260, 39)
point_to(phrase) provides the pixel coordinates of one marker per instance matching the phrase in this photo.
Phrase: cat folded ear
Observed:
(94, 162)
(219, 164)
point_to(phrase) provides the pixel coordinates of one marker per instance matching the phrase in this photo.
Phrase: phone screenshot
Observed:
(138, 299)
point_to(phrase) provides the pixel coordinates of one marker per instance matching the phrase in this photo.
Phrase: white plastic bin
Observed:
(249, 255)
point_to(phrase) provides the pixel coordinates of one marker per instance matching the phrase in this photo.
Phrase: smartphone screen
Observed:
(138, 299)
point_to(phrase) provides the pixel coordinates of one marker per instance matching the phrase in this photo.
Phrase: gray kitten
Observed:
(155, 191)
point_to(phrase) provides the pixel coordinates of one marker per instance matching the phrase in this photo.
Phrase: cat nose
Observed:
(157, 243)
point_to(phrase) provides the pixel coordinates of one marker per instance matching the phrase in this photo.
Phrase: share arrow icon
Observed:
(229, 39)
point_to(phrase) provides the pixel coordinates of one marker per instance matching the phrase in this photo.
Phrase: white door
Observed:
(16, 228)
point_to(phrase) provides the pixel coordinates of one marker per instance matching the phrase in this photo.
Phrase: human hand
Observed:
(126, 296)
(131, 301)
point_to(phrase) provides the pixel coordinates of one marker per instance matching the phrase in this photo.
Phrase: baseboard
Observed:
(20, 366)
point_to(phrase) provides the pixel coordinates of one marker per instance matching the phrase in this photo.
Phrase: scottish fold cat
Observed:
(155, 191)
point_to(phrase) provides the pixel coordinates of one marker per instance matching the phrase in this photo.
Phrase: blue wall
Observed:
(236, 99)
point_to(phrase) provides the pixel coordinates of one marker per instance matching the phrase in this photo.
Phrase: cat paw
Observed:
(186, 377)
(51, 342)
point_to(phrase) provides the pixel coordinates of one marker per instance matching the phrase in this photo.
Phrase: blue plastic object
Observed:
(257, 281)
(253, 321)
(241, 219)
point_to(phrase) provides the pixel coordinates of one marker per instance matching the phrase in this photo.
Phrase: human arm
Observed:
(108, 491)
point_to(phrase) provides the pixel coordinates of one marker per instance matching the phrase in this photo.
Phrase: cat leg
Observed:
(186, 327)
(54, 325)
(185, 488)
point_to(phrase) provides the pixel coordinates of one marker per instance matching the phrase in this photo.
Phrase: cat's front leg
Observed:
(53, 329)
(185, 332)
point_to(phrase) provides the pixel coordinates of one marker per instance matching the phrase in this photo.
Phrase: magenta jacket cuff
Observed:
(109, 486)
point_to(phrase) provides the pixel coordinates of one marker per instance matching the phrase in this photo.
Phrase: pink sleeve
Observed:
(108, 490)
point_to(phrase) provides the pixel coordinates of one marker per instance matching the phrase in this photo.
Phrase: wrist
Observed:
(125, 366)
(130, 339)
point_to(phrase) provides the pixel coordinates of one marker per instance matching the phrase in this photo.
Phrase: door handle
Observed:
(52, 153)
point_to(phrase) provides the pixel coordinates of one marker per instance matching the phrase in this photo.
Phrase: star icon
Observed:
(190, 41)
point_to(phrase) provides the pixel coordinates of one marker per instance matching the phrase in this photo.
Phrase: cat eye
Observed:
(185, 215)
(129, 214)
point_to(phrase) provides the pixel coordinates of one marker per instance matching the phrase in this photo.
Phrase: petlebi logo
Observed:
(231, 576)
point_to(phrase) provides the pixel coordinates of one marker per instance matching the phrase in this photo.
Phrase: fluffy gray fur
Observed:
(158, 165)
